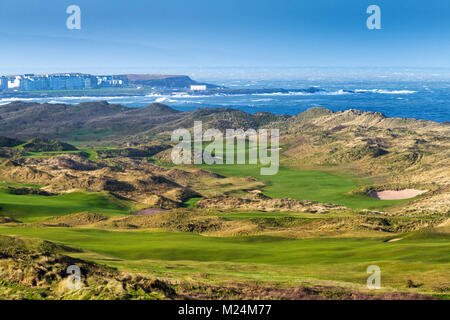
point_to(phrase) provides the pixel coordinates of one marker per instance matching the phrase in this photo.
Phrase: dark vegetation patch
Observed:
(46, 145)
(11, 153)
(141, 152)
(24, 191)
(4, 220)
(9, 142)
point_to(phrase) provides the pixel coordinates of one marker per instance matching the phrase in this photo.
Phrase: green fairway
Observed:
(314, 185)
(34, 207)
(190, 203)
(420, 258)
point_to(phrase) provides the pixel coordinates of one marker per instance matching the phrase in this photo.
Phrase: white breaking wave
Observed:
(164, 99)
(262, 100)
(185, 97)
(152, 95)
(336, 93)
(383, 91)
(282, 94)
(63, 99)
(8, 100)
(301, 93)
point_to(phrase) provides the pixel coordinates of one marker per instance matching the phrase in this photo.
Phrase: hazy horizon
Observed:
(266, 73)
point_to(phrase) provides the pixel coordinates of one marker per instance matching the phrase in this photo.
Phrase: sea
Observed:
(427, 100)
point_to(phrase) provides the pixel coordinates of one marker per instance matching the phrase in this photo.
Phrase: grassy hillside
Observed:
(86, 121)
(35, 207)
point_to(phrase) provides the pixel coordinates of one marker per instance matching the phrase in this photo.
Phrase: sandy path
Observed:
(396, 194)
(148, 212)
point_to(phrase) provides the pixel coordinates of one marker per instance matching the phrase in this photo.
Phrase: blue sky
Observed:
(157, 35)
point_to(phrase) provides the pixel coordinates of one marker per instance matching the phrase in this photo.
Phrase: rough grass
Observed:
(265, 215)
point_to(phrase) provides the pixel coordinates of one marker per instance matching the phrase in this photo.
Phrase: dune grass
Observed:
(264, 215)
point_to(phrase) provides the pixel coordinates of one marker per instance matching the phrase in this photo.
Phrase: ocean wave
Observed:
(262, 100)
(281, 94)
(8, 100)
(302, 93)
(337, 93)
(63, 99)
(164, 99)
(186, 97)
(96, 98)
(383, 91)
(152, 95)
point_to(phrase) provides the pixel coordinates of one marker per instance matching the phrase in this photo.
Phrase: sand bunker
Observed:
(396, 194)
(395, 239)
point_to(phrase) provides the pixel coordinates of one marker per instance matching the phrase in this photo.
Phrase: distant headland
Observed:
(81, 81)
(81, 84)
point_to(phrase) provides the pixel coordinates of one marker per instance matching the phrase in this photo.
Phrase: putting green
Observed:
(313, 185)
